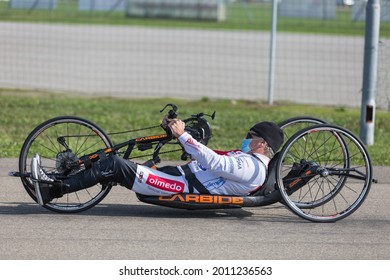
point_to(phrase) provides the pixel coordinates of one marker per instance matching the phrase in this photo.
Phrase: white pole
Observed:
(271, 72)
(371, 44)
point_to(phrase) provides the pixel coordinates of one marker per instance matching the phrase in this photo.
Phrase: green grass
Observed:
(22, 111)
(239, 17)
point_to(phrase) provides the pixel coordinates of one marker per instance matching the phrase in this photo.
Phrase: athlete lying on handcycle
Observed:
(210, 172)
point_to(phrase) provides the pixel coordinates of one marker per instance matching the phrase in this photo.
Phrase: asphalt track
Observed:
(122, 228)
(156, 62)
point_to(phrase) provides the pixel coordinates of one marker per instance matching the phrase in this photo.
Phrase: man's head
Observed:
(264, 135)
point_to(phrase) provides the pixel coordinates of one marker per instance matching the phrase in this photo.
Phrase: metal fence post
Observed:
(271, 72)
(371, 44)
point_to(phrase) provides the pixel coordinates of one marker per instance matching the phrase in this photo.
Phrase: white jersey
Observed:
(234, 173)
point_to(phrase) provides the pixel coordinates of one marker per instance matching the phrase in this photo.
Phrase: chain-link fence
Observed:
(190, 48)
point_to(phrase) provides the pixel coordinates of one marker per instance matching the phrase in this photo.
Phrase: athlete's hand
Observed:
(165, 122)
(177, 127)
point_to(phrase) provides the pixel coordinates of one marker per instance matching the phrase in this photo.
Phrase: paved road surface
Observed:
(123, 228)
(150, 62)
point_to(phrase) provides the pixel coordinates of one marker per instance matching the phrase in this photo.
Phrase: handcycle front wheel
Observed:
(60, 142)
(338, 173)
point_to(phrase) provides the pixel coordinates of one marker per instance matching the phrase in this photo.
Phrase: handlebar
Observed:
(196, 125)
(172, 113)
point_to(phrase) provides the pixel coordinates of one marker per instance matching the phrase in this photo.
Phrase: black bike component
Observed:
(129, 149)
(269, 186)
(198, 116)
(66, 162)
(156, 157)
(172, 114)
(199, 128)
(62, 141)
(299, 175)
(185, 156)
(144, 147)
(18, 174)
(209, 201)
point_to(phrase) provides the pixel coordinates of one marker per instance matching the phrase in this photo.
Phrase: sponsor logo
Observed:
(201, 167)
(192, 143)
(203, 198)
(164, 183)
(150, 138)
(239, 163)
(215, 184)
(107, 173)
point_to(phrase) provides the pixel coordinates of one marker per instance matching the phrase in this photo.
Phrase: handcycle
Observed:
(322, 173)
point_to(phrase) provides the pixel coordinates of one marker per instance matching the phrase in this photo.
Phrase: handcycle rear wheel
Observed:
(342, 169)
(292, 126)
(81, 137)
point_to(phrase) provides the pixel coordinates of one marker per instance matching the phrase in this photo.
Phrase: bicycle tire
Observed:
(83, 137)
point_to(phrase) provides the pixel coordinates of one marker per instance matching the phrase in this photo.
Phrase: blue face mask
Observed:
(245, 145)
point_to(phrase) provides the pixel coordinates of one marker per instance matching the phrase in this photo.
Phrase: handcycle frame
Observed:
(280, 185)
(200, 131)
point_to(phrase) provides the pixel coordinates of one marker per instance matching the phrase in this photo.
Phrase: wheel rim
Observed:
(82, 137)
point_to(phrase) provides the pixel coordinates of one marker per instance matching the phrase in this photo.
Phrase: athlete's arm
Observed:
(243, 169)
